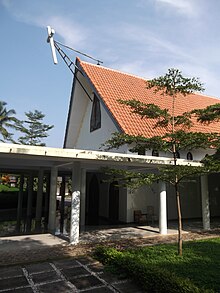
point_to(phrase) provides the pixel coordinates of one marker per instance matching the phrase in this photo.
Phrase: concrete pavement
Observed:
(29, 242)
(67, 275)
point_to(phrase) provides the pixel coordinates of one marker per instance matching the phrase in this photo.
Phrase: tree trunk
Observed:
(180, 239)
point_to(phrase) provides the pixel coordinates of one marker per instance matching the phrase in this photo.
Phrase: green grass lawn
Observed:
(6, 188)
(199, 266)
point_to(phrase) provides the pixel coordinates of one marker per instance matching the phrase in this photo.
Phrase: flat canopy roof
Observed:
(24, 157)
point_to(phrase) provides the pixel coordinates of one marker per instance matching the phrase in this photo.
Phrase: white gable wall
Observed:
(78, 133)
(80, 102)
(93, 140)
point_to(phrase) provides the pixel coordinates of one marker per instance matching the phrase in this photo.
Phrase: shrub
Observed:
(150, 277)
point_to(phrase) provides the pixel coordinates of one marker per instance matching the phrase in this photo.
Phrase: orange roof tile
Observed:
(112, 85)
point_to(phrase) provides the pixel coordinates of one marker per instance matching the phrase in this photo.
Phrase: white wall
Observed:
(198, 154)
(78, 132)
(140, 198)
(79, 105)
(93, 140)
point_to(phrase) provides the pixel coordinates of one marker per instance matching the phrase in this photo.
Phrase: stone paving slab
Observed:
(63, 276)
(61, 287)
(99, 290)
(74, 272)
(12, 271)
(85, 282)
(21, 290)
(14, 282)
(45, 277)
(37, 268)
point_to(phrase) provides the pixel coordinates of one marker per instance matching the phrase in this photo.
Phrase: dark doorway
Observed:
(114, 202)
(92, 202)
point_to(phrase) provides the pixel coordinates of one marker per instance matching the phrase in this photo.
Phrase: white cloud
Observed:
(72, 33)
(137, 67)
(148, 41)
(6, 3)
(186, 7)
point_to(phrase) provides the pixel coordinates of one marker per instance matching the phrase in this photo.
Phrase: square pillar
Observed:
(162, 208)
(75, 203)
(205, 202)
(53, 198)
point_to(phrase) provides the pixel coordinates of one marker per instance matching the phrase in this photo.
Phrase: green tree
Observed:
(206, 116)
(209, 114)
(33, 129)
(7, 120)
(177, 136)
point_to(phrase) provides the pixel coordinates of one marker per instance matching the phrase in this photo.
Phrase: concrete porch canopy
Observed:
(23, 159)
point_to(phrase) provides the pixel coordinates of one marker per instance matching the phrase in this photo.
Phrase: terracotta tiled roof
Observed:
(112, 85)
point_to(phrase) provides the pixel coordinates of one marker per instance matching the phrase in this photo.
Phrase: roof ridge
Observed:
(208, 96)
(136, 76)
(111, 69)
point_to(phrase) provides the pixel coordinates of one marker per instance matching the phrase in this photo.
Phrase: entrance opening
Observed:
(92, 202)
(114, 202)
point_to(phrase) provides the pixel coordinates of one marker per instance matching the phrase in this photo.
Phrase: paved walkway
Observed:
(29, 242)
(99, 234)
(94, 235)
(131, 231)
(69, 275)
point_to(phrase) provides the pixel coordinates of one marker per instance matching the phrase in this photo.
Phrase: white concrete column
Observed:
(75, 203)
(53, 197)
(162, 208)
(83, 198)
(205, 202)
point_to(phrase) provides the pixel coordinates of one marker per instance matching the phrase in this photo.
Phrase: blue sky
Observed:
(142, 37)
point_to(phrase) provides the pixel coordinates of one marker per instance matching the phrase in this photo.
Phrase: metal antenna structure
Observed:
(55, 46)
(50, 40)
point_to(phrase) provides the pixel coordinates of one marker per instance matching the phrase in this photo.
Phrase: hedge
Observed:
(151, 278)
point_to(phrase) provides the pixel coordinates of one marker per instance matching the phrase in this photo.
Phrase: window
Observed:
(189, 156)
(177, 154)
(155, 153)
(95, 120)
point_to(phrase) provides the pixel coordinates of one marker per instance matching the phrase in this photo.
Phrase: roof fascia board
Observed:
(69, 111)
